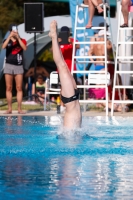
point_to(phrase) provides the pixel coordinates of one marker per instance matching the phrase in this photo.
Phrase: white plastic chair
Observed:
(53, 80)
(98, 79)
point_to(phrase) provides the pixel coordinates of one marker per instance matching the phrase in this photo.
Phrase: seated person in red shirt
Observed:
(67, 49)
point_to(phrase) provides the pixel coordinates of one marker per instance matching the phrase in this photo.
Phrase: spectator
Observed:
(14, 46)
(125, 5)
(98, 50)
(92, 4)
(67, 49)
(39, 70)
(40, 88)
(31, 73)
(110, 56)
(97, 36)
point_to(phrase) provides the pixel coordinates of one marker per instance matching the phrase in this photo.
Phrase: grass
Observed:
(39, 107)
(24, 107)
(27, 107)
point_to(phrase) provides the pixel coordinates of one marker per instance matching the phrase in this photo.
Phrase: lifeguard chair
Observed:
(123, 56)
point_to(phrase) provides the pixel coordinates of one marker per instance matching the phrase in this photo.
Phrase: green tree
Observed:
(13, 11)
(10, 12)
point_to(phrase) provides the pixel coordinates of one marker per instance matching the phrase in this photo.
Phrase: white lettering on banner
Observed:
(19, 58)
(83, 48)
(79, 35)
(84, 51)
(82, 34)
(82, 15)
(80, 21)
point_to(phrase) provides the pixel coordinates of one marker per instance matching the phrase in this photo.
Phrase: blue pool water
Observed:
(38, 163)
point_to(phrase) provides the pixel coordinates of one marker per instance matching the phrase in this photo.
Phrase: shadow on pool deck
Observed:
(51, 113)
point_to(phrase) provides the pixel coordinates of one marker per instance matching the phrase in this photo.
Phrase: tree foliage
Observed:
(12, 11)
(54, 9)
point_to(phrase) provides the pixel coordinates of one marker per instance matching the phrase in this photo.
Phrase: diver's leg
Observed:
(67, 82)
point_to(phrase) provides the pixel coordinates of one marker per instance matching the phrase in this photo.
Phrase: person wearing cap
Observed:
(99, 35)
(96, 37)
(125, 11)
(67, 49)
(13, 69)
(98, 50)
(92, 4)
(109, 52)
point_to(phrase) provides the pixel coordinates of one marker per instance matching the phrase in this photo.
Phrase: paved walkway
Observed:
(51, 113)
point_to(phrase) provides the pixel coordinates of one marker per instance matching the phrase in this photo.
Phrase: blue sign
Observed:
(82, 35)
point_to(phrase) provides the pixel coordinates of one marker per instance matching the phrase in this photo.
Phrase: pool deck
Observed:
(52, 113)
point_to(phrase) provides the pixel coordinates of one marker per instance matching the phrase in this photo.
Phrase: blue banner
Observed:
(82, 35)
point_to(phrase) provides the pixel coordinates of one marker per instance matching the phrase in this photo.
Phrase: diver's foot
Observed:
(8, 112)
(53, 27)
(89, 25)
(100, 10)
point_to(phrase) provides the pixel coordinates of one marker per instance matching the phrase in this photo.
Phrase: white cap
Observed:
(102, 32)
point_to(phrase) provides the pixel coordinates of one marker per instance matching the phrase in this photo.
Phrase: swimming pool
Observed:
(36, 163)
